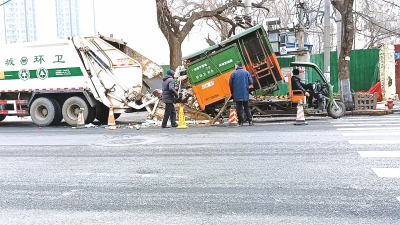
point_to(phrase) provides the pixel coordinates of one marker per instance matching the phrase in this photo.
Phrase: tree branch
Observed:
(260, 5)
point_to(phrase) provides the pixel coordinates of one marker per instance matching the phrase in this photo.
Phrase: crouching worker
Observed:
(169, 95)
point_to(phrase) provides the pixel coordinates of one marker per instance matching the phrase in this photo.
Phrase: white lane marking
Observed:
(366, 120)
(369, 128)
(371, 134)
(387, 172)
(398, 198)
(369, 142)
(389, 154)
(69, 192)
(370, 118)
(366, 124)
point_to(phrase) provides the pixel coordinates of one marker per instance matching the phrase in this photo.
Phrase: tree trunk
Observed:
(175, 52)
(346, 10)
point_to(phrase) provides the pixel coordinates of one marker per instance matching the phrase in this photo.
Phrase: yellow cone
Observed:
(181, 122)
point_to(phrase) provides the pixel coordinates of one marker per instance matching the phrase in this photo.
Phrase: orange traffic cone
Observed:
(181, 122)
(80, 123)
(300, 120)
(233, 119)
(111, 120)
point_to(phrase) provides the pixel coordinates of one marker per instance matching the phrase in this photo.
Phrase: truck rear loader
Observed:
(54, 81)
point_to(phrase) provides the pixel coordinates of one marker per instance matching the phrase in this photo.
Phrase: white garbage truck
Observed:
(54, 81)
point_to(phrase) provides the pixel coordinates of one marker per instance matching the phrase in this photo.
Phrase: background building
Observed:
(17, 21)
(43, 20)
(67, 18)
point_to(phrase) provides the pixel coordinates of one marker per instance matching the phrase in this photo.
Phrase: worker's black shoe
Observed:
(175, 125)
(240, 124)
(251, 123)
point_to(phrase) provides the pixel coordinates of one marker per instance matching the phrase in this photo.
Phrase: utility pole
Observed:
(247, 12)
(300, 37)
(302, 54)
(94, 19)
(327, 42)
(247, 7)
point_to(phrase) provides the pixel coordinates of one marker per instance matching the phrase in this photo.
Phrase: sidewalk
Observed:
(381, 105)
(381, 109)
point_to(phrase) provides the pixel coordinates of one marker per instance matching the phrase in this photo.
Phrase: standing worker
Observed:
(239, 83)
(169, 95)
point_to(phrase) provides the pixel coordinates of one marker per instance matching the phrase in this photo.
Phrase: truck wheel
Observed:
(57, 113)
(43, 111)
(102, 112)
(337, 112)
(70, 110)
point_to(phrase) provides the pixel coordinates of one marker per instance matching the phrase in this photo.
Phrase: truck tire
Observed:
(57, 113)
(70, 110)
(102, 112)
(337, 112)
(43, 111)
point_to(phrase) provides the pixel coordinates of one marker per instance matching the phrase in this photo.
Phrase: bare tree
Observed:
(3, 3)
(223, 25)
(377, 22)
(345, 8)
(176, 18)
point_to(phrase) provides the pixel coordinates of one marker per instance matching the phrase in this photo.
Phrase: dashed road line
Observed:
(370, 142)
(367, 124)
(387, 172)
(361, 134)
(368, 128)
(380, 154)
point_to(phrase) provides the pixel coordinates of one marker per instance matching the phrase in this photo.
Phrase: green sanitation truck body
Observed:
(209, 69)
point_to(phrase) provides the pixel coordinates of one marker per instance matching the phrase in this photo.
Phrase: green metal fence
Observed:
(363, 67)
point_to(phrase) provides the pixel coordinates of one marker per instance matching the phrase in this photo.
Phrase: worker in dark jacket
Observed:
(307, 89)
(239, 83)
(169, 95)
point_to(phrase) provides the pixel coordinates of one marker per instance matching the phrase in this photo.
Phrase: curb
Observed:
(370, 112)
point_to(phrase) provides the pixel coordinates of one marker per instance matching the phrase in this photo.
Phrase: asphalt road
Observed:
(271, 173)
